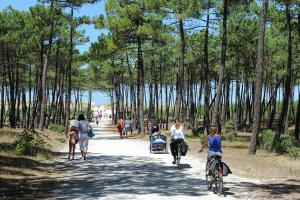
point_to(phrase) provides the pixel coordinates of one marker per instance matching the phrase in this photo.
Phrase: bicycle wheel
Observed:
(208, 181)
(219, 185)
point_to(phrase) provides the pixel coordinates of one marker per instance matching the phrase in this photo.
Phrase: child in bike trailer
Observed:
(213, 141)
(176, 135)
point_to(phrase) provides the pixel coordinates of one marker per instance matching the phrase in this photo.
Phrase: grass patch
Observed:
(56, 128)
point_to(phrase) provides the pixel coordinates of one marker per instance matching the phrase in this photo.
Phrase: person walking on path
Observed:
(72, 135)
(84, 127)
(120, 127)
(127, 126)
(97, 120)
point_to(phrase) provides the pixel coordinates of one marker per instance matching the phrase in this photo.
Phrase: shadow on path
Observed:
(102, 176)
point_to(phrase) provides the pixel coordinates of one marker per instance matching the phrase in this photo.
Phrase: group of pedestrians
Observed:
(124, 126)
(79, 133)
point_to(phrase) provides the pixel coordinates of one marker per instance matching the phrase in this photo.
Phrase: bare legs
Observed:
(83, 153)
(71, 150)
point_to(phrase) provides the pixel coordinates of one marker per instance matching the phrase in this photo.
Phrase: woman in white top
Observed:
(84, 127)
(177, 136)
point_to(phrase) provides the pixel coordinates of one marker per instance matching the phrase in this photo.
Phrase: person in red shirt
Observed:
(120, 127)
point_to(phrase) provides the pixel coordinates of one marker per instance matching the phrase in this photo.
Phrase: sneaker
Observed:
(173, 162)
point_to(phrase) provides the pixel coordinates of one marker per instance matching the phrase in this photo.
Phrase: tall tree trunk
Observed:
(297, 126)
(259, 77)
(180, 75)
(89, 110)
(206, 78)
(3, 82)
(111, 95)
(44, 74)
(54, 89)
(226, 99)
(152, 74)
(69, 73)
(287, 85)
(11, 78)
(216, 120)
(273, 108)
(141, 86)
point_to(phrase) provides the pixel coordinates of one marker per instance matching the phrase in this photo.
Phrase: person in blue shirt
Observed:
(213, 142)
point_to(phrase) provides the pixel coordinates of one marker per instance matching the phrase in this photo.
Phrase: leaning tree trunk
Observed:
(259, 76)
(216, 120)
(287, 85)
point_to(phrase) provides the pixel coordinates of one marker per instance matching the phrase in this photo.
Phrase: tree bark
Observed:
(216, 120)
(3, 78)
(259, 77)
(287, 85)
(45, 70)
(141, 86)
(297, 125)
(206, 78)
(180, 75)
(69, 73)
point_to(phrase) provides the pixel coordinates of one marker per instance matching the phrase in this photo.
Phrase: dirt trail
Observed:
(124, 169)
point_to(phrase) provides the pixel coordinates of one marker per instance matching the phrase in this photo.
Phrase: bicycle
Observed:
(179, 150)
(214, 175)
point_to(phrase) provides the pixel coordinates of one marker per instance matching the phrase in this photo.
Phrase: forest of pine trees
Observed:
(207, 62)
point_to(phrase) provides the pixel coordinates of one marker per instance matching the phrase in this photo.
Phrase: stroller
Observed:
(158, 143)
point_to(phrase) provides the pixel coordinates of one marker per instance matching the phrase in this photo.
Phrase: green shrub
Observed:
(196, 131)
(290, 147)
(229, 126)
(56, 128)
(287, 143)
(230, 136)
(267, 139)
(29, 142)
(294, 153)
(202, 138)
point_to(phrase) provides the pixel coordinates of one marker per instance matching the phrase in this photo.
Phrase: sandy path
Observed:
(124, 169)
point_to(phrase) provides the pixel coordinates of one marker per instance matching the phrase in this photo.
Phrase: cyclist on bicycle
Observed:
(213, 141)
(177, 136)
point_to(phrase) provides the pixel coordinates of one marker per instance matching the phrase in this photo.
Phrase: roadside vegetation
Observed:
(27, 161)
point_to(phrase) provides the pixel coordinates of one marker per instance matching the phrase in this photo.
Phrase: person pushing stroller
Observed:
(153, 125)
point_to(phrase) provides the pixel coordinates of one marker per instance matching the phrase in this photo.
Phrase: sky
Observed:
(90, 10)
